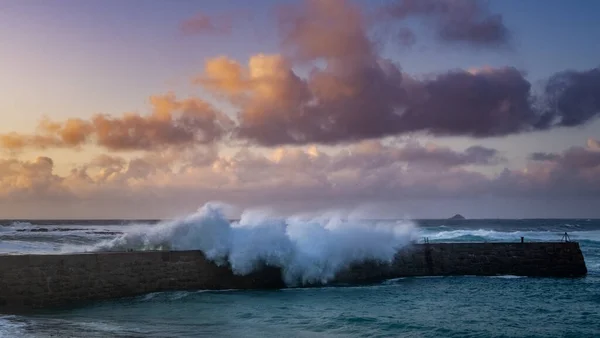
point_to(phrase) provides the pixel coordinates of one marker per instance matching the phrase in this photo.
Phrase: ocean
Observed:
(313, 248)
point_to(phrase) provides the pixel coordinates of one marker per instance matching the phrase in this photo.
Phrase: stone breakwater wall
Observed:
(41, 281)
(535, 259)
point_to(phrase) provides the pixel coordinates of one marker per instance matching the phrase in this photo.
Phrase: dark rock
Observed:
(457, 217)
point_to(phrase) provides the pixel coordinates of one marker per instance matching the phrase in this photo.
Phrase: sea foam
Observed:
(307, 249)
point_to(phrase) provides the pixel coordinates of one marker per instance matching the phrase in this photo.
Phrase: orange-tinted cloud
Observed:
(225, 75)
(172, 122)
(266, 77)
(16, 141)
(71, 133)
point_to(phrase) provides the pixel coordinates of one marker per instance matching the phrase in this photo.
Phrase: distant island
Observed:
(457, 217)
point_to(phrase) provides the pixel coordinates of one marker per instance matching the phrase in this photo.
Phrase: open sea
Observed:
(469, 306)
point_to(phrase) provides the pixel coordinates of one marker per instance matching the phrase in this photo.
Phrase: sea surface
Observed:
(469, 306)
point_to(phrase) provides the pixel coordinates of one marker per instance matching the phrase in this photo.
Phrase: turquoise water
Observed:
(503, 306)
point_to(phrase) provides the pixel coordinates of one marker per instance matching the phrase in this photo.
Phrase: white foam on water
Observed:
(393, 280)
(508, 277)
(10, 327)
(308, 249)
(179, 295)
(511, 236)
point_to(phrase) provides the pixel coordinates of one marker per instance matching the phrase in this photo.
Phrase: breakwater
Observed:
(42, 281)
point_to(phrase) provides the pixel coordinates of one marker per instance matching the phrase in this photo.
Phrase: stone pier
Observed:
(42, 281)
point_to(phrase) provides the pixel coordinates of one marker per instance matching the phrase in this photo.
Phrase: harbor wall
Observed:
(42, 281)
(533, 259)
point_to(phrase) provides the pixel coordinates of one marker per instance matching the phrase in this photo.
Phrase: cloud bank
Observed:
(301, 179)
(350, 92)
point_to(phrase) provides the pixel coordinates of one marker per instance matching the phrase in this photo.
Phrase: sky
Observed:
(388, 108)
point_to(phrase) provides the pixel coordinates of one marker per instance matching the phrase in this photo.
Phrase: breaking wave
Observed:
(307, 249)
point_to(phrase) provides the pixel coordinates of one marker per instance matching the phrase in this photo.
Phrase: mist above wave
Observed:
(307, 249)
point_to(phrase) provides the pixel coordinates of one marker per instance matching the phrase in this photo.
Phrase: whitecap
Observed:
(508, 277)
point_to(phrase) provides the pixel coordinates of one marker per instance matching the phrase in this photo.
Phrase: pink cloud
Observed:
(369, 172)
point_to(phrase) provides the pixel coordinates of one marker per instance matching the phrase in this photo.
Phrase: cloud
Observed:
(351, 93)
(467, 21)
(483, 103)
(26, 179)
(347, 92)
(581, 158)
(544, 157)
(280, 107)
(575, 172)
(475, 155)
(574, 157)
(15, 141)
(283, 168)
(333, 30)
(572, 98)
(108, 167)
(593, 144)
(205, 24)
(373, 154)
(297, 178)
(172, 123)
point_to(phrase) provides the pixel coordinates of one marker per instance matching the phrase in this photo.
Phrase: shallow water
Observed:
(504, 306)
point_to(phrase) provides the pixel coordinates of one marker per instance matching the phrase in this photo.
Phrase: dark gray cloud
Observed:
(483, 103)
(573, 158)
(370, 155)
(475, 155)
(468, 21)
(571, 98)
(541, 157)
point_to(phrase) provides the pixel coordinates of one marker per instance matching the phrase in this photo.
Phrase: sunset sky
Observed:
(391, 108)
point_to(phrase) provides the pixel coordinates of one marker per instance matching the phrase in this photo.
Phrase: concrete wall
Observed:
(38, 281)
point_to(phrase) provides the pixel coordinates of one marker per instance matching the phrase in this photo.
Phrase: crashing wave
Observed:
(307, 249)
